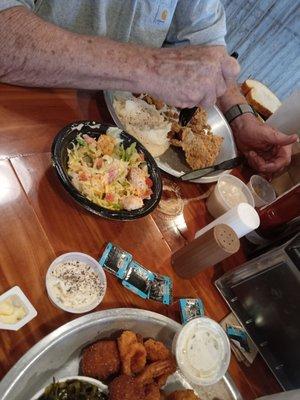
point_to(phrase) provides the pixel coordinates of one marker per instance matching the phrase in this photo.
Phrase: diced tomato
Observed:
(83, 176)
(98, 163)
(109, 197)
(149, 182)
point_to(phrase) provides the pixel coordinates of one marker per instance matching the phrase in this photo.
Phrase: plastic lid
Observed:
(202, 351)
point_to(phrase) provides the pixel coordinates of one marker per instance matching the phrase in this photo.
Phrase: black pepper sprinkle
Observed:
(77, 284)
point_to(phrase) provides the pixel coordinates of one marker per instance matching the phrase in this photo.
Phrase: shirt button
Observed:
(164, 15)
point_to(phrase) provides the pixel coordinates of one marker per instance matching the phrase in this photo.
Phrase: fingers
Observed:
(275, 137)
(221, 88)
(208, 100)
(230, 68)
(277, 163)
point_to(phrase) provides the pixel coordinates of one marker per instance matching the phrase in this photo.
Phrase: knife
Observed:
(186, 114)
(223, 166)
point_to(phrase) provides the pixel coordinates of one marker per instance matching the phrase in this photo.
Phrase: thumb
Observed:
(275, 137)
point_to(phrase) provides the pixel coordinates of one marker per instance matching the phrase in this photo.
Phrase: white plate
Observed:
(172, 161)
(19, 297)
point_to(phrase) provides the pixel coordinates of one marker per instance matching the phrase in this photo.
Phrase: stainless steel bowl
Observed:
(58, 354)
(173, 161)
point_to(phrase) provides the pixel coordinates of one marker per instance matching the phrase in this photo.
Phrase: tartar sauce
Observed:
(202, 351)
(232, 193)
(75, 284)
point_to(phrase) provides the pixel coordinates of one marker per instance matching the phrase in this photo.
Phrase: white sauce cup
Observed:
(217, 203)
(202, 351)
(86, 259)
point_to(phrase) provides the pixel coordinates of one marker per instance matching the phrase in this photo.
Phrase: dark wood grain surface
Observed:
(40, 221)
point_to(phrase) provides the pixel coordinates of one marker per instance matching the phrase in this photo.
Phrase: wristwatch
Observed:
(237, 110)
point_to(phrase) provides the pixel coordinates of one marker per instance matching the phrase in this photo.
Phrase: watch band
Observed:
(237, 110)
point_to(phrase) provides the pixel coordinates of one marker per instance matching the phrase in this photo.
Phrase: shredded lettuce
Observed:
(100, 170)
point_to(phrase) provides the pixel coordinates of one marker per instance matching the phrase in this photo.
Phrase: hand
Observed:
(190, 76)
(266, 149)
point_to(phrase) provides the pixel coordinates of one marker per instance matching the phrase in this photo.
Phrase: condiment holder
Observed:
(212, 247)
(242, 218)
(18, 299)
(74, 257)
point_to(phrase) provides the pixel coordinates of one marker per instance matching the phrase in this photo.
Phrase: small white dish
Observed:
(262, 191)
(19, 298)
(202, 351)
(217, 204)
(84, 258)
(93, 381)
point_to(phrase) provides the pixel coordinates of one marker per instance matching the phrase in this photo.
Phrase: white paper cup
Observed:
(203, 361)
(84, 258)
(262, 191)
(217, 204)
(242, 218)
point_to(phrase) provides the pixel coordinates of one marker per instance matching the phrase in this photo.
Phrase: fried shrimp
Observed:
(153, 372)
(156, 351)
(133, 353)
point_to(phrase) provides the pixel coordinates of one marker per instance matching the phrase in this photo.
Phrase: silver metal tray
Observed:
(172, 161)
(58, 354)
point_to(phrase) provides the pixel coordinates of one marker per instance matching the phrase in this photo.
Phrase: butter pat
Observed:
(11, 311)
(15, 309)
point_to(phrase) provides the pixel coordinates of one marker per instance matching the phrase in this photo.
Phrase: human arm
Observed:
(37, 53)
(267, 150)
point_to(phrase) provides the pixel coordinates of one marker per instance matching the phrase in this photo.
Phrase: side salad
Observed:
(108, 174)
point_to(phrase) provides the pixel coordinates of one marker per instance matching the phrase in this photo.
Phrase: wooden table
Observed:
(40, 221)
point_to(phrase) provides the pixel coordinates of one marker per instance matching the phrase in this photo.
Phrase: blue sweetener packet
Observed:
(161, 289)
(138, 279)
(190, 309)
(115, 260)
(237, 334)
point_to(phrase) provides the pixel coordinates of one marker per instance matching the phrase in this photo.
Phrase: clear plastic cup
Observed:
(262, 191)
(202, 351)
(217, 203)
